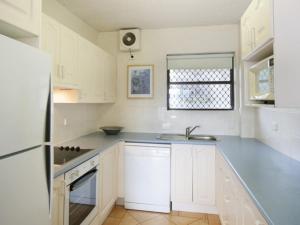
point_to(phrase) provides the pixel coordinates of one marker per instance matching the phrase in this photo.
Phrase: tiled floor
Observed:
(121, 216)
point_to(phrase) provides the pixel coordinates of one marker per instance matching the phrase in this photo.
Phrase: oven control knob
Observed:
(61, 148)
(77, 149)
(74, 175)
(67, 148)
(72, 149)
(92, 163)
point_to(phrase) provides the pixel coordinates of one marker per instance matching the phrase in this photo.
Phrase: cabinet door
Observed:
(204, 175)
(287, 48)
(84, 73)
(58, 202)
(263, 21)
(24, 14)
(182, 174)
(109, 78)
(98, 74)
(109, 179)
(67, 56)
(50, 44)
(90, 72)
(246, 40)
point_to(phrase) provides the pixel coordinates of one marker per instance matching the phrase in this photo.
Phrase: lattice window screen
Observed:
(209, 88)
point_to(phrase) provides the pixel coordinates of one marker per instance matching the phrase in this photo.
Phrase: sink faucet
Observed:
(189, 130)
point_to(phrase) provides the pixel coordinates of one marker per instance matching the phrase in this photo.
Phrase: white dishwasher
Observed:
(147, 177)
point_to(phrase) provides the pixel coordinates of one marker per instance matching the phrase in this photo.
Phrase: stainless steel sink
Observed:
(182, 137)
(202, 137)
(172, 137)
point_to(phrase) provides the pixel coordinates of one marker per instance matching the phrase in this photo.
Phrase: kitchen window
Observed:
(200, 82)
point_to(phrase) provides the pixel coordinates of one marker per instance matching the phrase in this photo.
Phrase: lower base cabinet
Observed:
(233, 202)
(108, 179)
(193, 178)
(57, 216)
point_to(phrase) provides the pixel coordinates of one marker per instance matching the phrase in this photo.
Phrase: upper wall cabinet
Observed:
(61, 44)
(109, 78)
(82, 72)
(20, 18)
(256, 26)
(287, 49)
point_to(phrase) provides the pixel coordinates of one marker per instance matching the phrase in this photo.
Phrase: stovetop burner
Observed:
(64, 154)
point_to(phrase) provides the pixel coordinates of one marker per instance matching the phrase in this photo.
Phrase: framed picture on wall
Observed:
(140, 81)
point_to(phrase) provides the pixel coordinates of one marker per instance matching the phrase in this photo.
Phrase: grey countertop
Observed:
(271, 178)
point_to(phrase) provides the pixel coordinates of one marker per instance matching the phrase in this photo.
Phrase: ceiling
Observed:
(110, 15)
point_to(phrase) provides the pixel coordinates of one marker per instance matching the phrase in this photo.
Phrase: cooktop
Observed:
(64, 154)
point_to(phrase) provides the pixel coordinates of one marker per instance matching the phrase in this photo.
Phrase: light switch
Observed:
(65, 122)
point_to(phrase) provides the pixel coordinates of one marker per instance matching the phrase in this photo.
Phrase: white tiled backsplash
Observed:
(74, 120)
(279, 128)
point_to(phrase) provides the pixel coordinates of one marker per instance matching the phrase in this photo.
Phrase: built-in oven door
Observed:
(81, 201)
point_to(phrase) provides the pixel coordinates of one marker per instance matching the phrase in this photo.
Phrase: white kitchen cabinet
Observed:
(287, 48)
(78, 64)
(193, 178)
(256, 26)
(109, 78)
(108, 180)
(90, 72)
(182, 174)
(204, 175)
(263, 21)
(51, 44)
(68, 56)
(61, 43)
(234, 203)
(20, 18)
(57, 216)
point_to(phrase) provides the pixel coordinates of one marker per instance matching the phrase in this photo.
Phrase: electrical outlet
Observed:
(275, 127)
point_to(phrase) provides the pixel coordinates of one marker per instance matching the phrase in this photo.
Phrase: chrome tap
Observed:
(189, 130)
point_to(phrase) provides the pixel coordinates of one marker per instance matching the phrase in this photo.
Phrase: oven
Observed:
(81, 193)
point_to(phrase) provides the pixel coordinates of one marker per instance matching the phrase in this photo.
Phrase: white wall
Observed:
(57, 11)
(286, 138)
(151, 115)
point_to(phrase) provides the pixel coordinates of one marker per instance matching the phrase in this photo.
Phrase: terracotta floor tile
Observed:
(200, 222)
(159, 220)
(202, 216)
(112, 221)
(128, 220)
(121, 216)
(118, 212)
(214, 219)
(142, 216)
(180, 220)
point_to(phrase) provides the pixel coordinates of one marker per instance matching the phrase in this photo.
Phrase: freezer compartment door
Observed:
(25, 81)
(24, 194)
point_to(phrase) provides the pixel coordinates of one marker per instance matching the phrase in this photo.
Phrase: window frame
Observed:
(231, 83)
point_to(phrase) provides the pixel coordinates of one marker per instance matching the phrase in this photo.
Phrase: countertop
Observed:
(271, 178)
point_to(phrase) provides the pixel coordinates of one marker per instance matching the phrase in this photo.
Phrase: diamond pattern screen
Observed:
(200, 89)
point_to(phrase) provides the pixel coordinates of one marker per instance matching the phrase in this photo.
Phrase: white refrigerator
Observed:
(25, 135)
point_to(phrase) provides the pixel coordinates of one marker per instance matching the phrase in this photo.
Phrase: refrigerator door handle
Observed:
(49, 173)
(48, 125)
